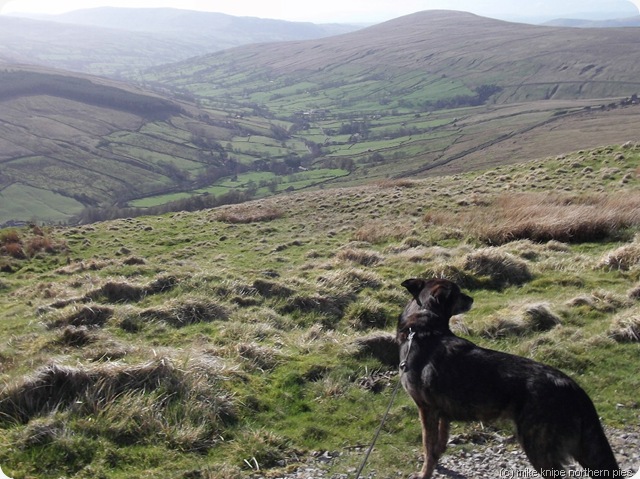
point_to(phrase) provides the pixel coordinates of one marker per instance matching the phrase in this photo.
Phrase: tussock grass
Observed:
(91, 315)
(366, 314)
(381, 345)
(623, 258)
(543, 217)
(625, 326)
(259, 357)
(363, 257)
(352, 278)
(142, 403)
(330, 304)
(184, 312)
(532, 318)
(76, 336)
(123, 292)
(563, 348)
(269, 289)
(258, 449)
(600, 300)
(500, 268)
(377, 232)
(248, 213)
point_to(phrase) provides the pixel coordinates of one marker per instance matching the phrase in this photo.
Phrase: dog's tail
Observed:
(595, 453)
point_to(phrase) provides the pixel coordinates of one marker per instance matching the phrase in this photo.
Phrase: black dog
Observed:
(452, 379)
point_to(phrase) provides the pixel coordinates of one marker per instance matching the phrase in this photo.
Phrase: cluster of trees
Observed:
(193, 203)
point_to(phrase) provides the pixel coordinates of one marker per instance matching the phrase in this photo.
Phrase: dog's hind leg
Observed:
(443, 436)
(430, 442)
(542, 451)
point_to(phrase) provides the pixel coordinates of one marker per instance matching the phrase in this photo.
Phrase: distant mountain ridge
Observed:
(527, 61)
(120, 42)
(192, 22)
(579, 23)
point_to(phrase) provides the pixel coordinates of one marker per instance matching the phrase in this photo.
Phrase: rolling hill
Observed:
(119, 42)
(527, 62)
(70, 141)
(428, 90)
(431, 93)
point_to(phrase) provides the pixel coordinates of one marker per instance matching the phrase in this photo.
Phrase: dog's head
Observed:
(435, 301)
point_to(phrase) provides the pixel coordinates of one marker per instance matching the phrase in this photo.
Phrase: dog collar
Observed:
(403, 364)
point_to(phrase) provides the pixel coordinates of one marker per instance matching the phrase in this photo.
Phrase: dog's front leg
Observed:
(430, 433)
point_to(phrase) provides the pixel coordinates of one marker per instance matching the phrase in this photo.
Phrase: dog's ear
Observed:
(415, 287)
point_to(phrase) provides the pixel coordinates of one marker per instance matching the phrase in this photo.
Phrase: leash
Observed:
(403, 365)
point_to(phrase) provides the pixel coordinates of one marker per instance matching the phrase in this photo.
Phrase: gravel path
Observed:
(492, 456)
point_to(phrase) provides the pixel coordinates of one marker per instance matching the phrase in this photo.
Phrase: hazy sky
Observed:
(338, 10)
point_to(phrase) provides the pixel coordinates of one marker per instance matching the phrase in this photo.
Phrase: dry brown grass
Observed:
(532, 318)
(376, 232)
(248, 213)
(623, 258)
(542, 217)
(625, 327)
(363, 257)
(500, 268)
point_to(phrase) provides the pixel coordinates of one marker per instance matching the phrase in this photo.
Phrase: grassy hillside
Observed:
(453, 53)
(209, 344)
(70, 142)
(434, 91)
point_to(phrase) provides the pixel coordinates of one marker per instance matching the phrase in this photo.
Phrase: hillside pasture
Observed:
(196, 343)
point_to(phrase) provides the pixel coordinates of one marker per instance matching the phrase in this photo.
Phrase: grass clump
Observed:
(360, 256)
(183, 312)
(533, 318)
(144, 403)
(90, 315)
(248, 213)
(123, 292)
(380, 345)
(623, 258)
(366, 314)
(497, 268)
(258, 449)
(543, 217)
(625, 327)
